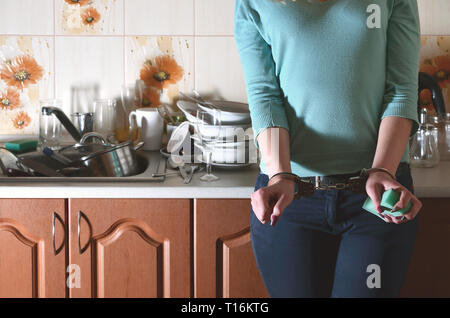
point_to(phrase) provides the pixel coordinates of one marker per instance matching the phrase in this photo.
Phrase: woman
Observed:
(332, 88)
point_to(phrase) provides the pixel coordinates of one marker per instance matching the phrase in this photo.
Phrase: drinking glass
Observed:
(49, 125)
(130, 100)
(105, 117)
(208, 126)
(424, 150)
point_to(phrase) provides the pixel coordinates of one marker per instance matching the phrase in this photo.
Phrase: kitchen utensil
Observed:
(224, 166)
(83, 122)
(49, 125)
(130, 100)
(233, 118)
(162, 113)
(207, 118)
(10, 160)
(150, 125)
(113, 160)
(191, 174)
(238, 152)
(3, 169)
(203, 102)
(57, 156)
(192, 170)
(178, 138)
(170, 128)
(424, 151)
(177, 162)
(40, 168)
(105, 117)
(166, 110)
(233, 113)
(17, 173)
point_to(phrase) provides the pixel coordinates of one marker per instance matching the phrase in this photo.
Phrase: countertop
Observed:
(428, 183)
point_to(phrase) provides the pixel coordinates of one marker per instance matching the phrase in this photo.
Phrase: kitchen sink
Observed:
(149, 162)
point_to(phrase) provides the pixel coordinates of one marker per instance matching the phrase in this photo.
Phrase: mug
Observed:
(151, 126)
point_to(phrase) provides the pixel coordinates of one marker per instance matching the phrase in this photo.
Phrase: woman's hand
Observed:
(379, 182)
(268, 203)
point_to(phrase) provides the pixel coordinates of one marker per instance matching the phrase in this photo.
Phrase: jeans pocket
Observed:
(261, 181)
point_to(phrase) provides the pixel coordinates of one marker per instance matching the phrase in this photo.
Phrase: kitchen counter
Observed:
(428, 183)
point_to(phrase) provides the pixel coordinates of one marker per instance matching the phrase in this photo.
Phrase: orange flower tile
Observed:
(78, 2)
(90, 16)
(150, 98)
(21, 72)
(164, 72)
(9, 99)
(22, 120)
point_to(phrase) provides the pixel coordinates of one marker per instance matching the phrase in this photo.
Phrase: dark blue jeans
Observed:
(324, 246)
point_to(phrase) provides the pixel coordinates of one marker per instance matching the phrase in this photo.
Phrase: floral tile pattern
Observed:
(26, 76)
(90, 17)
(435, 61)
(165, 64)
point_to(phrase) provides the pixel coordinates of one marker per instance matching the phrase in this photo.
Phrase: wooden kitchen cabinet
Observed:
(224, 264)
(429, 271)
(28, 264)
(130, 247)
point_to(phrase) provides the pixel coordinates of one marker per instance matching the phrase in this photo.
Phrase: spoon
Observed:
(171, 119)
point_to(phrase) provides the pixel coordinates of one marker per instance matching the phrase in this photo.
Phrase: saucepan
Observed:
(104, 159)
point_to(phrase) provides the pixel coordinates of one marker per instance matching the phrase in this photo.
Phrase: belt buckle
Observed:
(317, 182)
(304, 188)
(318, 185)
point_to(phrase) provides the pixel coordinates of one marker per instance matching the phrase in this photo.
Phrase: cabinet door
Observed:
(130, 247)
(223, 257)
(428, 273)
(28, 264)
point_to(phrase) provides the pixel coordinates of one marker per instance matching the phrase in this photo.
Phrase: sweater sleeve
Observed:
(263, 90)
(403, 45)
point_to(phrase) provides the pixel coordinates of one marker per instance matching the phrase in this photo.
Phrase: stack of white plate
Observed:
(234, 147)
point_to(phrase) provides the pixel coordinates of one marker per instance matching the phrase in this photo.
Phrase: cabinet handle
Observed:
(56, 251)
(82, 215)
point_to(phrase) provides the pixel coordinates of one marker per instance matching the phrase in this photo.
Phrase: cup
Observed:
(105, 117)
(49, 125)
(170, 127)
(150, 125)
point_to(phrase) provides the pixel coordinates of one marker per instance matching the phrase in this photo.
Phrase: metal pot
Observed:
(105, 160)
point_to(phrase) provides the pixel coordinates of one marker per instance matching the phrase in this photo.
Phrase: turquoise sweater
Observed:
(329, 72)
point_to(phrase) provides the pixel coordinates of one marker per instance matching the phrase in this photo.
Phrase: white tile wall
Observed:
(68, 18)
(218, 68)
(214, 17)
(435, 17)
(156, 17)
(85, 60)
(200, 32)
(26, 17)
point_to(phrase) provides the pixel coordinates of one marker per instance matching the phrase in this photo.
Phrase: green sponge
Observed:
(388, 200)
(22, 145)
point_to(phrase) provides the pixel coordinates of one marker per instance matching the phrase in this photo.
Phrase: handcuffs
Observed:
(355, 184)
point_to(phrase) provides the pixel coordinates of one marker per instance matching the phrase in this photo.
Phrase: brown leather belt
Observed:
(355, 182)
